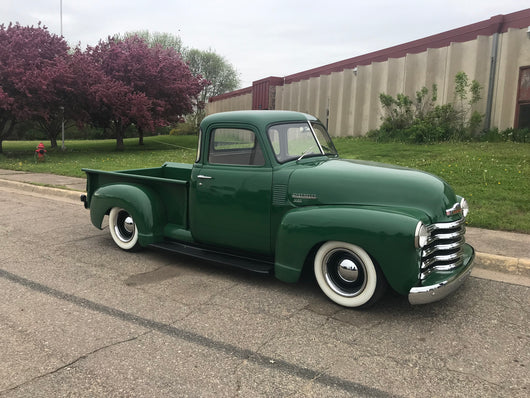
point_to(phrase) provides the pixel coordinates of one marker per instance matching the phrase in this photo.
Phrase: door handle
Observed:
(203, 177)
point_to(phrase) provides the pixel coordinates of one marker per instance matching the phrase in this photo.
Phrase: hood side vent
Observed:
(279, 195)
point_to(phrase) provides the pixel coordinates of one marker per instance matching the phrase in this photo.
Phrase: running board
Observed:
(251, 264)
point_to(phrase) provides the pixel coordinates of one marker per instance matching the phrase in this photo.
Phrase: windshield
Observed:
(324, 139)
(300, 140)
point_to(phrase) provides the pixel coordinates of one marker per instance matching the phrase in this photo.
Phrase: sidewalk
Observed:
(43, 179)
(497, 251)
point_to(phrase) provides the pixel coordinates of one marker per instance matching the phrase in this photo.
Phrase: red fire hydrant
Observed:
(40, 153)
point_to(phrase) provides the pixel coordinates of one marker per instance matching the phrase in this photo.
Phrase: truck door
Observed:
(230, 192)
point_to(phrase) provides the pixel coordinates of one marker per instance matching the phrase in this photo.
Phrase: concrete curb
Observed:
(40, 190)
(511, 265)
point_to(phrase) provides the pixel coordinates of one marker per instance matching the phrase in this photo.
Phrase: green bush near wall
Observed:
(419, 120)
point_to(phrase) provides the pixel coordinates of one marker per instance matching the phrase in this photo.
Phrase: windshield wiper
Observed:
(306, 152)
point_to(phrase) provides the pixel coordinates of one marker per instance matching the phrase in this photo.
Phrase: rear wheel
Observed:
(123, 229)
(347, 275)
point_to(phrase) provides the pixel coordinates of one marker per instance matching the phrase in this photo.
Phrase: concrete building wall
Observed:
(346, 96)
(235, 103)
(514, 50)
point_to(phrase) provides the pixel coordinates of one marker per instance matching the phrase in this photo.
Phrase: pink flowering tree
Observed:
(33, 75)
(145, 86)
(114, 85)
(101, 101)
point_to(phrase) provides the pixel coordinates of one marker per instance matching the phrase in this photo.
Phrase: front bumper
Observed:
(439, 290)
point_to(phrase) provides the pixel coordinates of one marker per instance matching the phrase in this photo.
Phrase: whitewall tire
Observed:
(347, 274)
(123, 229)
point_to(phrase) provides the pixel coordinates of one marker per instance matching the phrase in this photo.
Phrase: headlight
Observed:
(465, 207)
(421, 236)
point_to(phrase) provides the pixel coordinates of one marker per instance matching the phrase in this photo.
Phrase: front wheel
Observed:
(347, 275)
(123, 229)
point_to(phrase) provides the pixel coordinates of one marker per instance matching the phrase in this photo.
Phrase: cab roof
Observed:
(260, 119)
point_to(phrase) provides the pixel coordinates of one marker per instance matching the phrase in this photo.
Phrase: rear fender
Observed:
(386, 235)
(140, 201)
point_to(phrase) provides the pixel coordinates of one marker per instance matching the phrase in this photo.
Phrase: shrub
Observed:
(184, 128)
(421, 121)
(510, 134)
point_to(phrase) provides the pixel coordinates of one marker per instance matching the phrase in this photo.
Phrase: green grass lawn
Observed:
(493, 177)
(100, 154)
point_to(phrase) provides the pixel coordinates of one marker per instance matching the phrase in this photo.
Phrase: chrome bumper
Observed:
(437, 291)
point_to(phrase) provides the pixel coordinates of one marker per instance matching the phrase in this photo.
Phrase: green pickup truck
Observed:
(268, 192)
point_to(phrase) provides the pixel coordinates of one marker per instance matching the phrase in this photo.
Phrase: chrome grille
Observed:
(444, 250)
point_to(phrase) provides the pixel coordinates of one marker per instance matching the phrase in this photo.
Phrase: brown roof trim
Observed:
(272, 80)
(231, 94)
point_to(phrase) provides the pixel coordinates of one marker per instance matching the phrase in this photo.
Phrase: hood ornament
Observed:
(456, 209)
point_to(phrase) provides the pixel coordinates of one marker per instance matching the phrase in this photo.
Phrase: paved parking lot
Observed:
(79, 317)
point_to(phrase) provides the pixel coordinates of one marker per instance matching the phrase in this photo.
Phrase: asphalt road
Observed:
(79, 317)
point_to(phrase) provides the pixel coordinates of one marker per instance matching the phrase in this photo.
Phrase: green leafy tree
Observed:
(467, 94)
(165, 40)
(221, 75)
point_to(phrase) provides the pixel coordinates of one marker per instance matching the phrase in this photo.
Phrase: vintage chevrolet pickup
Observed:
(268, 192)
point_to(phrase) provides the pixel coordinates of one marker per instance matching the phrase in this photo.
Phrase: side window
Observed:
(236, 147)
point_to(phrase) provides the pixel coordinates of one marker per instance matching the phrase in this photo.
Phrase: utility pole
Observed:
(62, 107)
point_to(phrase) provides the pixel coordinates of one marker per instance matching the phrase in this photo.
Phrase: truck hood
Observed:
(350, 182)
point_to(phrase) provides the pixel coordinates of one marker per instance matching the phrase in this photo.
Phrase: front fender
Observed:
(386, 235)
(140, 201)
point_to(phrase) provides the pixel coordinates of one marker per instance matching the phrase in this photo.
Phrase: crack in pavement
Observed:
(71, 363)
(473, 375)
(228, 349)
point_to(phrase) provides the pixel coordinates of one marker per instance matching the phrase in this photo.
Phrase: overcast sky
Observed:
(266, 38)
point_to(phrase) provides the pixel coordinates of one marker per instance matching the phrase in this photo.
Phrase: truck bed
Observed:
(168, 182)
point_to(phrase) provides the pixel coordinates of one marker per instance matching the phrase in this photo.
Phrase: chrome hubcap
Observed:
(128, 224)
(348, 271)
(124, 227)
(345, 272)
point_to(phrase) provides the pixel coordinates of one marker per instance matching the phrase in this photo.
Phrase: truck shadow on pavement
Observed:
(390, 306)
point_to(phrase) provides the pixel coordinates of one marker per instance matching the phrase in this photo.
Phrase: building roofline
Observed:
(236, 93)
(496, 24)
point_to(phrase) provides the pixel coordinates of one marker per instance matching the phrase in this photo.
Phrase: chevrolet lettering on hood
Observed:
(268, 192)
(299, 197)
